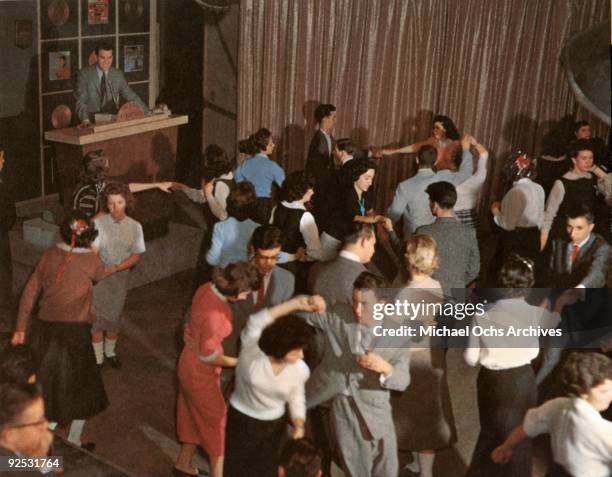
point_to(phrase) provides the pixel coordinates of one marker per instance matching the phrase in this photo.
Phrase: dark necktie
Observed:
(103, 90)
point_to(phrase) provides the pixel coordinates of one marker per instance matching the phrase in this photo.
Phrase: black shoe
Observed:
(113, 361)
(179, 473)
(88, 446)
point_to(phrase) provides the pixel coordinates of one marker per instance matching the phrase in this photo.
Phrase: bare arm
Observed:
(503, 453)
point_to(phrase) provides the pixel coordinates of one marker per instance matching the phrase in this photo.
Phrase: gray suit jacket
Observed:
(88, 95)
(340, 374)
(333, 280)
(457, 249)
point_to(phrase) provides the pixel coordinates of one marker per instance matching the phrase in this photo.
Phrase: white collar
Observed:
(296, 204)
(228, 176)
(66, 248)
(349, 256)
(346, 159)
(218, 293)
(581, 244)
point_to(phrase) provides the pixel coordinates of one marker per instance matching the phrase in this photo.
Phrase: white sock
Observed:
(426, 461)
(99, 351)
(413, 466)
(109, 347)
(76, 429)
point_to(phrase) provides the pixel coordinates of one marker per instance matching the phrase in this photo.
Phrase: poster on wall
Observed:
(97, 12)
(59, 65)
(98, 17)
(59, 18)
(134, 57)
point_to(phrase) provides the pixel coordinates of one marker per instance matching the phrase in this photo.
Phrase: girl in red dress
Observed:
(201, 409)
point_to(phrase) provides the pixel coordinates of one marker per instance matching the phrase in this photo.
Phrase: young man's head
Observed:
(18, 364)
(581, 152)
(442, 198)
(118, 200)
(300, 458)
(582, 130)
(95, 167)
(104, 55)
(579, 224)
(325, 117)
(266, 243)
(426, 157)
(360, 241)
(23, 426)
(588, 375)
(344, 150)
(368, 290)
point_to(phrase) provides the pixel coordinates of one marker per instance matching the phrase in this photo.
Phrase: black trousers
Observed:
(251, 445)
(504, 397)
(557, 470)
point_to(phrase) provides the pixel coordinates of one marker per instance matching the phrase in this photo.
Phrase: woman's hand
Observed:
(166, 186)
(313, 303)
(501, 454)
(18, 338)
(374, 362)
(209, 187)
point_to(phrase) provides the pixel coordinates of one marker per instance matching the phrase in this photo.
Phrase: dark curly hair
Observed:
(83, 228)
(579, 145)
(296, 185)
(215, 163)
(18, 363)
(512, 171)
(322, 111)
(236, 278)
(517, 274)
(119, 188)
(284, 335)
(353, 169)
(449, 127)
(241, 201)
(583, 371)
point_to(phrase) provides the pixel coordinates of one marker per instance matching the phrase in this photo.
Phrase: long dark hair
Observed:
(449, 127)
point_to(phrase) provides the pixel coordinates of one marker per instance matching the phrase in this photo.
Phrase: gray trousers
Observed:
(361, 454)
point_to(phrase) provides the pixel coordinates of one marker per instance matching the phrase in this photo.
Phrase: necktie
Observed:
(260, 296)
(575, 252)
(103, 90)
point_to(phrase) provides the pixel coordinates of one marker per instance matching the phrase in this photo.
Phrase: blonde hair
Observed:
(422, 254)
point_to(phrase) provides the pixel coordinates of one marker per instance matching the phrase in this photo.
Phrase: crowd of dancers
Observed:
(279, 350)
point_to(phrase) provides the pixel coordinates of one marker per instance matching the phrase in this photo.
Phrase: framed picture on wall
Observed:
(134, 16)
(88, 50)
(134, 57)
(59, 65)
(59, 18)
(98, 17)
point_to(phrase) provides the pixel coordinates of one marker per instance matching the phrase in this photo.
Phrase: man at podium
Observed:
(100, 87)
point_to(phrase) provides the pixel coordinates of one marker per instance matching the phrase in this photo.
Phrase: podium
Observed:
(140, 150)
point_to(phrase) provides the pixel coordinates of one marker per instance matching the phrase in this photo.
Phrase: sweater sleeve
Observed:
(29, 295)
(255, 325)
(297, 397)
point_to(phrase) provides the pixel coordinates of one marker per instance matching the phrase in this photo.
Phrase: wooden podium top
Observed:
(82, 137)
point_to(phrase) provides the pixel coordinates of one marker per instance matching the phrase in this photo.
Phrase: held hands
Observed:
(466, 141)
(166, 186)
(388, 224)
(501, 454)
(377, 152)
(209, 187)
(313, 303)
(298, 432)
(495, 205)
(374, 362)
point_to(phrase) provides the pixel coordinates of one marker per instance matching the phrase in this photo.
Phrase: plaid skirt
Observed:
(468, 217)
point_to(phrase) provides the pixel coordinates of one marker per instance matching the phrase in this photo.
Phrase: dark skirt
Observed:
(504, 396)
(251, 445)
(423, 414)
(70, 379)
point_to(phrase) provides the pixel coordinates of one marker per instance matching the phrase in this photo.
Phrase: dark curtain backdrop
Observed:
(390, 65)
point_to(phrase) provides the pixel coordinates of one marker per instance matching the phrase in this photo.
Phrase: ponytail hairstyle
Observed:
(77, 231)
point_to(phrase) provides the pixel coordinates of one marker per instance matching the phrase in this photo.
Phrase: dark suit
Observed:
(89, 96)
(591, 268)
(320, 163)
(334, 280)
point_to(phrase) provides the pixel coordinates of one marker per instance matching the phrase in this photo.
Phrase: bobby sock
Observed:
(109, 347)
(99, 351)
(426, 462)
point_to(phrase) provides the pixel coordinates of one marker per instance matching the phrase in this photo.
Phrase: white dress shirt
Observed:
(580, 438)
(497, 353)
(260, 393)
(468, 192)
(522, 206)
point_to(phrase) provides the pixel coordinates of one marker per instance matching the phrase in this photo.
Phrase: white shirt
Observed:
(580, 438)
(259, 393)
(497, 353)
(468, 192)
(349, 256)
(522, 206)
(309, 230)
(218, 205)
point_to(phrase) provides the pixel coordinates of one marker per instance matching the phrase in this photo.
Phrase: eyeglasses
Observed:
(30, 424)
